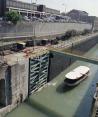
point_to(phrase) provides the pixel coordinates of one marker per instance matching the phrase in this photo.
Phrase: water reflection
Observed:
(62, 88)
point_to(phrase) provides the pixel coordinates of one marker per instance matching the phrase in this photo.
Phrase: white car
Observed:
(26, 18)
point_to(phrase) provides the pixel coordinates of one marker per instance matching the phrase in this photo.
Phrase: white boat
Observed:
(77, 75)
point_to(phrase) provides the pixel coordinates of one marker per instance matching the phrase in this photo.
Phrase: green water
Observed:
(59, 101)
(25, 110)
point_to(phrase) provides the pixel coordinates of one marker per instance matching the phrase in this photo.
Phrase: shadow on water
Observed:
(47, 111)
(62, 88)
(85, 108)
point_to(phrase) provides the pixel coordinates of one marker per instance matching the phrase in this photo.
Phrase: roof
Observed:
(77, 72)
(82, 69)
(73, 75)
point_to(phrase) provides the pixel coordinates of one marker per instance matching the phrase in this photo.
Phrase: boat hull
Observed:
(77, 82)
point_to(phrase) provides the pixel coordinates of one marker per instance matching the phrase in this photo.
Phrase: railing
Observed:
(21, 5)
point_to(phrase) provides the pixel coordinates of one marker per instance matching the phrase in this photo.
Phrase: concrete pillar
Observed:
(9, 9)
(27, 13)
(19, 11)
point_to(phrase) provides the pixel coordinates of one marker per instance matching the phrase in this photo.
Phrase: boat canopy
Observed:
(77, 72)
(82, 69)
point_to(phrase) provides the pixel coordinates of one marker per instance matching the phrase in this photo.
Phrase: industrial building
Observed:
(79, 15)
(76, 13)
(23, 8)
(44, 9)
(22, 73)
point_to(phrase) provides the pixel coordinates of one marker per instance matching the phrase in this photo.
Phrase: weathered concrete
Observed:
(39, 29)
(78, 57)
(55, 100)
(56, 66)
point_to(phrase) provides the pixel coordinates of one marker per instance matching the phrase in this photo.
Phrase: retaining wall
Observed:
(39, 29)
(59, 62)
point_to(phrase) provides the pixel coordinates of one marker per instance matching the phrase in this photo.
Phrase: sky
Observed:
(90, 6)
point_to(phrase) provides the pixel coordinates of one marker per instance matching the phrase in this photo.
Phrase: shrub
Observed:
(54, 42)
(86, 31)
(58, 38)
(71, 33)
(62, 37)
(68, 34)
(95, 31)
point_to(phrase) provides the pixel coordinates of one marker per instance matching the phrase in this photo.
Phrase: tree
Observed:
(86, 31)
(12, 16)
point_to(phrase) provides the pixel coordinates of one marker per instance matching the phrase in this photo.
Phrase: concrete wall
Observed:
(39, 29)
(83, 47)
(19, 81)
(14, 82)
(58, 63)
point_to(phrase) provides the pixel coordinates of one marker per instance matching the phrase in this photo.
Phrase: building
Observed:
(79, 15)
(43, 8)
(21, 7)
(24, 8)
(2, 7)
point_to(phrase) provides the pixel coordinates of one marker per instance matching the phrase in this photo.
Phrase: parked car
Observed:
(1, 18)
(46, 20)
(49, 19)
(26, 18)
(33, 18)
(40, 20)
(36, 19)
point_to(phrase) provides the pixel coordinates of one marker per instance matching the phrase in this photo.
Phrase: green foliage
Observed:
(71, 33)
(12, 16)
(86, 31)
